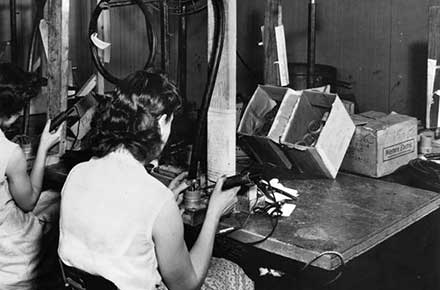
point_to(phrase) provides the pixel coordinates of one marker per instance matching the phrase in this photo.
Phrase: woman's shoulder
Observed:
(7, 147)
(78, 170)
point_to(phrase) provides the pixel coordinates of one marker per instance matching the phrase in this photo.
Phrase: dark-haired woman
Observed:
(20, 228)
(120, 223)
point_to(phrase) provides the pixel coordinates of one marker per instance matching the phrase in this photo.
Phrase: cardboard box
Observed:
(381, 144)
(256, 123)
(273, 140)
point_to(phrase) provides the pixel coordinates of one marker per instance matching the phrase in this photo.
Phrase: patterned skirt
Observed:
(223, 275)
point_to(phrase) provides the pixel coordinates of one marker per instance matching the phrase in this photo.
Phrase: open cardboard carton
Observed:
(271, 140)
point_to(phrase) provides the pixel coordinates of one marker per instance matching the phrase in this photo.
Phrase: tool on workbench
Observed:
(195, 198)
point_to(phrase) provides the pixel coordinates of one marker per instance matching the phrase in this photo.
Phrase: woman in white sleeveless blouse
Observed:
(119, 222)
(20, 228)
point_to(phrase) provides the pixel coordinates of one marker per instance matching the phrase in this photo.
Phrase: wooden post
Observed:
(432, 99)
(221, 114)
(164, 33)
(272, 18)
(58, 53)
(100, 82)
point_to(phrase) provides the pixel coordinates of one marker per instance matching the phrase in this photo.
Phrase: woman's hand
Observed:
(49, 139)
(221, 201)
(178, 185)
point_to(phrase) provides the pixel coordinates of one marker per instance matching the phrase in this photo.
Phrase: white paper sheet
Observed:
(282, 55)
(432, 66)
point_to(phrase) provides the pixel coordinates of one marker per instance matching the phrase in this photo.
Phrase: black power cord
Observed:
(425, 173)
(272, 209)
(93, 28)
(213, 65)
(328, 253)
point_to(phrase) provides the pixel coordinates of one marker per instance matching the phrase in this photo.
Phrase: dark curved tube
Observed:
(213, 65)
(93, 27)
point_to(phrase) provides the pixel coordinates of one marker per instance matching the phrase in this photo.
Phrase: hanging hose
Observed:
(93, 28)
(213, 65)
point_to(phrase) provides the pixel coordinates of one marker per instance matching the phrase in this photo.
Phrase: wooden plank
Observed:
(58, 19)
(350, 215)
(100, 82)
(432, 105)
(222, 112)
(272, 18)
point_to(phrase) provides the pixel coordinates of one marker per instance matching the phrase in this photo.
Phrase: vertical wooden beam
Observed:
(100, 81)
(221, 114)
(164, 32)
(13, 21)
(182, 53)
(272, 18)
(58, 20)
(311, 44)
(433, 81)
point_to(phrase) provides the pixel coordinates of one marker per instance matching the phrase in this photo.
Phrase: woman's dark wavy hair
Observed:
(130, 116)
(11, 102)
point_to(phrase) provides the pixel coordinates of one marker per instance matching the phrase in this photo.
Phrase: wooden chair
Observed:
(76, 279)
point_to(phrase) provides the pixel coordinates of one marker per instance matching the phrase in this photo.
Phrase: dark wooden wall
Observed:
(380, 46)
(24, 24)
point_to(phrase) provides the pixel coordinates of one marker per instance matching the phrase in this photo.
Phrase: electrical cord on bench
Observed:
(272, 210)
(326, 253)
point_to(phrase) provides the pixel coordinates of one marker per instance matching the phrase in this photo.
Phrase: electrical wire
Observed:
(271, 210)
(326, 253)
(213, 65)
(175, 7)
(93, 28)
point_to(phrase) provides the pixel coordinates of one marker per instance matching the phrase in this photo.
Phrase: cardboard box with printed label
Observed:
(381, 144)
(275, 140)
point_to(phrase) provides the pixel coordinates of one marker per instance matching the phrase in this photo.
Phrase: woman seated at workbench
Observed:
(119, 222)
(22, 221)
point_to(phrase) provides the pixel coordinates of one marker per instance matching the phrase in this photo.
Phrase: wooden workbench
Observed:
(350, 215)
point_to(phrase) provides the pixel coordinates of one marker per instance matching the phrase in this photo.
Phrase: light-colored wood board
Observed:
(221, 122)
(272, 19)
(58, 19)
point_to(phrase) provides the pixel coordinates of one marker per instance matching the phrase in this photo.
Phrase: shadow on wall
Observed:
(417, 74)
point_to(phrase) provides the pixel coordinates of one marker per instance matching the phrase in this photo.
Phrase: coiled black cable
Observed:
(328, 253)
(213, 65)
(425, 173)
(93, 28)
